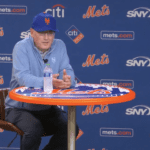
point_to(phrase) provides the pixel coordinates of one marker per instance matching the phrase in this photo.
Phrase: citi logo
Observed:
(138, 110)
(25, 34)
(5, 58)
(57, 11)
(1, 31)
(140, 12)
(74, 34)
(140, 61)
(91, 12)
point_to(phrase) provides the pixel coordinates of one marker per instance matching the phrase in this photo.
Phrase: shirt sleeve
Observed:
(65, 64)
(21, 68)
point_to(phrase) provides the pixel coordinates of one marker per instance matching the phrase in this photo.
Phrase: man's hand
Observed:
(61, 84)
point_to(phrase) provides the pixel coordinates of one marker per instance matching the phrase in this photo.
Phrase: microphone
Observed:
(45, 60)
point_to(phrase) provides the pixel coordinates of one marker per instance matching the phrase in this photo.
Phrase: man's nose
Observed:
(46, 36)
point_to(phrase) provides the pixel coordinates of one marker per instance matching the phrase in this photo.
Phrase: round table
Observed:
(82, 94)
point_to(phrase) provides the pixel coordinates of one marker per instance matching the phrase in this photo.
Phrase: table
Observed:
(82, 94)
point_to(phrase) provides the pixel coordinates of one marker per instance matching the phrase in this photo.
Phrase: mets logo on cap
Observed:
(47, 21)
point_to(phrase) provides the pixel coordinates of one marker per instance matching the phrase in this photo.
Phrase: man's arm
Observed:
(67, 74)
(21, 68)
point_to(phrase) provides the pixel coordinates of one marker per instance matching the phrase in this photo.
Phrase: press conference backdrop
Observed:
(108, 42)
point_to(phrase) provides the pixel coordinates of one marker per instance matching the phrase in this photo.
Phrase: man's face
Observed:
(42, 40)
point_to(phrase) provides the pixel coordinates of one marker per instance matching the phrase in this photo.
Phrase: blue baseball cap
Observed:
(44, 22)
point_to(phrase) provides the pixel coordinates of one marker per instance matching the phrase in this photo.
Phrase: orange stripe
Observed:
(78, 38)
(59, 5)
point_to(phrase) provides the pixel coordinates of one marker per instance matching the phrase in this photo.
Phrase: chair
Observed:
(7, 125)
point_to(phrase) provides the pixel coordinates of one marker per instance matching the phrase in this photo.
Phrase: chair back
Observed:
(3, 94)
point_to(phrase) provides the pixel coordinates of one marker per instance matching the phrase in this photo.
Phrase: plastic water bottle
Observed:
(48, 79)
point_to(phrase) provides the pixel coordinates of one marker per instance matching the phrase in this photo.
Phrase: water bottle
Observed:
(48, 79)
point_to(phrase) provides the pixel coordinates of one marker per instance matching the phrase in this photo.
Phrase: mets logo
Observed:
(1, 31)
(1, 80)
(47, 21)
(80, 91)
(92, 13)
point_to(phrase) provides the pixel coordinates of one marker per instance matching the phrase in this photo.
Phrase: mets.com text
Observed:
(13, 9)
(117, 35)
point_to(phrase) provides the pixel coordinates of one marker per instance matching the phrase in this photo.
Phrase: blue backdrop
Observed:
(108, 42)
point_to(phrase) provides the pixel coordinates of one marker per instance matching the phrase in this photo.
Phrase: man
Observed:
(28, 66)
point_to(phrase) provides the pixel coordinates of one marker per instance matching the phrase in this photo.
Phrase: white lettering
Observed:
(58, 10)
(110, 132)
(139, 111)
(129, 111)
(63, 14)
(5, 58)
(141, 62)
(72, 33)
(110, 83)
(47, 10)
(136, 62)
(129, 63)
(53, 12)
(130, 14)
(110, 35)
(139, 14)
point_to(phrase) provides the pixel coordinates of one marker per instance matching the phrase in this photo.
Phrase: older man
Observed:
(29, 59)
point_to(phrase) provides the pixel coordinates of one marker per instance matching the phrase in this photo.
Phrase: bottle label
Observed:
(47, 74)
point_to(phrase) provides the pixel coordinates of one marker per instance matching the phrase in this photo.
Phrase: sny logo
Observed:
(138, 110)
(57, 8)
(91, 12)
(25, 34)
(90, 60)
(74, 34)
(139, 12)
(140, 61)
(1, 31)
